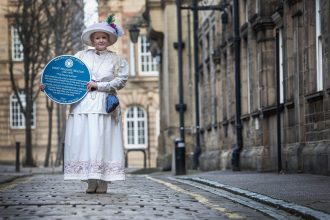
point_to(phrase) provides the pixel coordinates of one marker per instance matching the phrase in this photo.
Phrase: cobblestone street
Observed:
(139, 197)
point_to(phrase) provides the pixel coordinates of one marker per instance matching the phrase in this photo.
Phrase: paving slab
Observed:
(304, 189)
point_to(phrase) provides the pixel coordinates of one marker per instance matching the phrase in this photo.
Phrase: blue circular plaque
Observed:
(65, 78)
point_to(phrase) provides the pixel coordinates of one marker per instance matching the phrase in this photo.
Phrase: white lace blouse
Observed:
(110, 72)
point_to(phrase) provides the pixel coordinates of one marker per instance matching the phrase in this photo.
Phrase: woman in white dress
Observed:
(94, 149)
(93, 142)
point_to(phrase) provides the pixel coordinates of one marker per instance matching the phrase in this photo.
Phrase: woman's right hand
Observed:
(91, 86)
(41, 87)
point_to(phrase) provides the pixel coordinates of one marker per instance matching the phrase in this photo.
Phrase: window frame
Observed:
(318, 47)
(15, 42)
(21, 123)
(246, 11)
(281, 62)
(257, 7)
(247, 58)
(132, 59)
(135, 121)
(151, 63)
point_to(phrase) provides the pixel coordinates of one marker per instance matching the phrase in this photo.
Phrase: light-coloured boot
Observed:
(92, 185)
(102, 186)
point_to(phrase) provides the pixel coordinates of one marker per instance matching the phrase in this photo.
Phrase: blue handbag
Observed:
(112, 102)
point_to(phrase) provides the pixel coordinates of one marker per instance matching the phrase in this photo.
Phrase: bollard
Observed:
(63, 144)
(17, 156)
(180, 157)
(52, 162)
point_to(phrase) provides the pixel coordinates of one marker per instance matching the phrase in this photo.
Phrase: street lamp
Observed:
(224, 17)
(134, 33)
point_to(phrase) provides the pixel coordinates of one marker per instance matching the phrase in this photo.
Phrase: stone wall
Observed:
(304, 108)
(304, 111)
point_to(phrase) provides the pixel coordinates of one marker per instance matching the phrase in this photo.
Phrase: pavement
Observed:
(8, 173)
(306, 195)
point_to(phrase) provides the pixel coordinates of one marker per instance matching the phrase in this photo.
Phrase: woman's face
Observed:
(100, 40)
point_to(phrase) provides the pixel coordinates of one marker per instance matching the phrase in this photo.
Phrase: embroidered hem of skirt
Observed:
(94, 176)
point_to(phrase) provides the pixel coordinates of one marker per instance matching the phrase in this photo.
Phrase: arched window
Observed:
(136, 128)
(17, 119)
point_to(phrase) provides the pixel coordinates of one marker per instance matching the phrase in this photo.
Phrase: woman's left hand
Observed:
(91, 86)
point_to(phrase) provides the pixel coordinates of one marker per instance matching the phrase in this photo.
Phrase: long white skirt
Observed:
(93, 148)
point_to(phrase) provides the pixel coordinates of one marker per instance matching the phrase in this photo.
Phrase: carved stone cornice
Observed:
(167, 2)
(277, 19)
(154, 4)
(223, 46)
(216, 55)
(244, 30)
(156, 41)
(253, 18)
(263, 23)
(292, 2)
(156, 35)
(230, 41)
(279, 7)
(297, 13)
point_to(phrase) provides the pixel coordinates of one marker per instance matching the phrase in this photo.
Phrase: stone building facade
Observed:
(301, 30)
(140, 98)
(164, 21)
(291, 33)
(12, 125)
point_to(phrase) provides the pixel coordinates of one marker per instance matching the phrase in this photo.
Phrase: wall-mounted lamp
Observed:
(134, 32)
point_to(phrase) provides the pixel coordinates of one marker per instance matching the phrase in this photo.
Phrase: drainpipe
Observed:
(278, 104)
(180, 152)
(197, 152)
(181, 107)
(239, 142)
(190, 76)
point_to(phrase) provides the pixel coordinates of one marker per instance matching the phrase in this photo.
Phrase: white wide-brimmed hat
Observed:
(110, 28)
